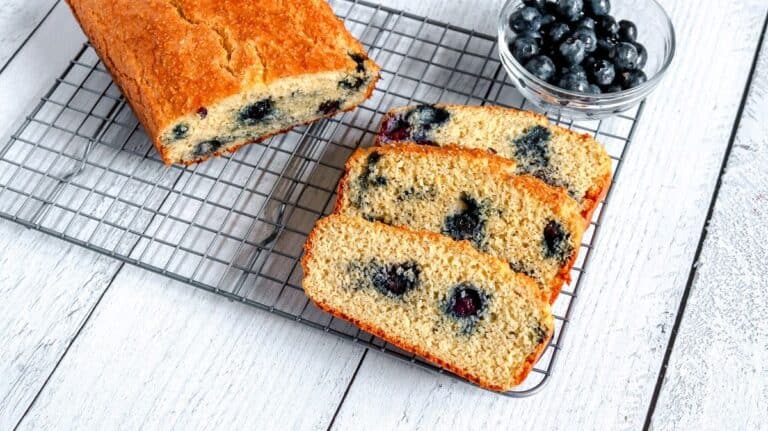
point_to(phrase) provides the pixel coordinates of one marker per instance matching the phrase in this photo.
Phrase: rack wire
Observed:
(81, 168)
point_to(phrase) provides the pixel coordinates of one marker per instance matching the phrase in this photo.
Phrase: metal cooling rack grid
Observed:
(81, 168)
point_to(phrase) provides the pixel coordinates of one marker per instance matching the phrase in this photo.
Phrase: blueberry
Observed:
(423, 119)
(642, 56)
(547, 19)
(587, 36)
(571, 10)
(429, 115)
(396, 280)
(360, 60)
(524, 48)
(573, 82)
(607, 27)
(557, 32)
(541, 66)
(625, 56)
(466, 302)
(602, 72)
(535, 35)
(538, 334)
(538, 4)
(208, 147)
(468, 224)
(180, 131)
(525, 20)
(586, 22)
(329, 106)
(613, 88)
(367, 178)
(202, 112)
(351, 83)
(627, 31)
(572, 51)
(631, 78)
(605, 47)
(556, 241)
(597, 7)
(256, 112)
(532, 149)
(594, 89)
(396, 128)
(576, 69)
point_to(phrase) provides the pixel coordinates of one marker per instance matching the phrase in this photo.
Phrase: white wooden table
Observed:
(671, 332)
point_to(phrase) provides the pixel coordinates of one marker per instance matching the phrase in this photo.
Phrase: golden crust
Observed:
(171, 57)
(591, 198)
(556, 198)
(405, 345)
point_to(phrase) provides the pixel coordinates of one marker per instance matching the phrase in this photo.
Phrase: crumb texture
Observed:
(460, 308)
(558, 156)
(468, 196)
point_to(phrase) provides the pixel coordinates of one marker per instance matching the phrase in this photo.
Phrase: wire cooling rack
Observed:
(81, 168)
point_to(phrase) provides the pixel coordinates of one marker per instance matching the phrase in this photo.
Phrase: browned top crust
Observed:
(171, 57)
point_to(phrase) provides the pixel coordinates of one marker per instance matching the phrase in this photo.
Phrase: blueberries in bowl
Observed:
(572, 51)
(597, 7)
(578, 46)
(525, 20)
(541, 66)
(524, 48)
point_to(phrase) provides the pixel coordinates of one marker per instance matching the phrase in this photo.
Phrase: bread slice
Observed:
(438, 298)
(468, 195)
(205, 77)
(558, 156)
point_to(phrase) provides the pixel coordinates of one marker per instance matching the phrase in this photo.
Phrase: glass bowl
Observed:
(655, 32)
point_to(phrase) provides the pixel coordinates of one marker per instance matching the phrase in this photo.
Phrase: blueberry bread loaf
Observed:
(461, 309)
(468, 195)
(556, 155)
(205, 77)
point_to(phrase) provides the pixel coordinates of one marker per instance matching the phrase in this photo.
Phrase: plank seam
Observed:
(69, 345)
(703, 236)
(29, 36)
(346, 391)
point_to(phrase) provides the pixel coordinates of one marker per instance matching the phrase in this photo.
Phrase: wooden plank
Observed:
(159, 354)
(721, 350)
(48, 288)
(18, 19)
(33, 70)
(619, 330)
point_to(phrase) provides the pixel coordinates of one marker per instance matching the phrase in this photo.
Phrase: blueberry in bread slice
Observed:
(468, 195)
(556, 155)
(205, 77)
(438, 298)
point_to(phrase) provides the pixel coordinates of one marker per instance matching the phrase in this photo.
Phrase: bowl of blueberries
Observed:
(585, 59)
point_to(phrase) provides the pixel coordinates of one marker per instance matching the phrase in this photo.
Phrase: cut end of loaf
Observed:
(261, 112)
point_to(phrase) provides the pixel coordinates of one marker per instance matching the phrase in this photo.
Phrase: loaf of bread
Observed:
(558, 156)
(205, 77)
(468, 195)
(438, 298)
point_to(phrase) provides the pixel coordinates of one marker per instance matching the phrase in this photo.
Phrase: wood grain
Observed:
(608, 368)
(18, 18)
(47, 286)
(47, 289)
(159, 354)
(721, 350)
(35, 67)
